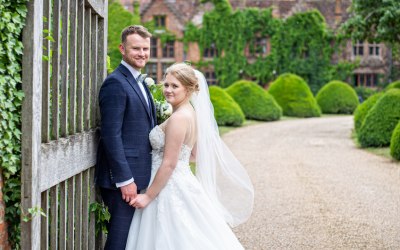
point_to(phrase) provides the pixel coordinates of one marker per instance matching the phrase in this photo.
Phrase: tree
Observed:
(374, 20)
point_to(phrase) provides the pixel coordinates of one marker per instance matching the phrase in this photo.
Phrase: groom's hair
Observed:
(134, 29)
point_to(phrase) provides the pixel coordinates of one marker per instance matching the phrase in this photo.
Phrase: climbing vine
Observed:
(301, 44)
(12, 21)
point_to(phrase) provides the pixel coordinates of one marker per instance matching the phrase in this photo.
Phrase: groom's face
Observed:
(136, 51)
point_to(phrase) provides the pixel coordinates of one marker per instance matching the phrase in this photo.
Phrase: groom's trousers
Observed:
(121, 218)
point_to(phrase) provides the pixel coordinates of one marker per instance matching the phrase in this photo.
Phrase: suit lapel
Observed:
(131, 80)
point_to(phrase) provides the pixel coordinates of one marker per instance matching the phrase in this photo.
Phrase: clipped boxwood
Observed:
(362, 110)
(378, 126)
(226, 111)
(337, 97)
(395, 143)
(294, 96)
(393, 85)
(255, 102)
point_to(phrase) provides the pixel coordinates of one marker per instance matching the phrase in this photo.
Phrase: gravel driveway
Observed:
(314, 189)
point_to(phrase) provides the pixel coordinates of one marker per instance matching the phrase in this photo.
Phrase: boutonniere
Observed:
(149, 81)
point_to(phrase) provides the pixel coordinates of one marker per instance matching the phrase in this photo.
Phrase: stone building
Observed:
(172, 15)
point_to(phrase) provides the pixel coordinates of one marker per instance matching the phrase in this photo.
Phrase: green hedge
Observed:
(377, 128)
(362, 110)
(255, 102)
(294, 96)
(337, 97)
(12, 20)
(393, 85)
(395, 143)
(118, 19)
(226, 111)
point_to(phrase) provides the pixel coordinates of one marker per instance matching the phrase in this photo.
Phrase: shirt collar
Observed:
(133, 71)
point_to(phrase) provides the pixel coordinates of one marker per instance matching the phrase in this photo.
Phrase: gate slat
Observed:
(64, 68)
(79, 68)
(93, 70)
(55, 77)
(62, 236)
(46, 72)
(71, 213)
(44, 224)
(54, 217)
(88, 62)
(92, 229)
(78, 211)
(85, 210)
(72, 67)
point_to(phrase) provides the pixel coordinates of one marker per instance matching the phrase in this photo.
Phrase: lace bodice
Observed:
(157, 140)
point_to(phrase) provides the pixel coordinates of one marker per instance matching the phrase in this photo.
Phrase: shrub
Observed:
(337, 97)
(377, 128)
(362, 110)
(226, 110)
(294, 96)
(393, 85)
(395, 143)
(255, 102)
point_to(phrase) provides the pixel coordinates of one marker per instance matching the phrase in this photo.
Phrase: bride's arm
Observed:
(175, 132)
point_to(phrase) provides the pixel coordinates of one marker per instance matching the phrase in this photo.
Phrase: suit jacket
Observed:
(124, 149)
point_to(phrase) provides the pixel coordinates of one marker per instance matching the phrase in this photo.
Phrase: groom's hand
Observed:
(129, 192)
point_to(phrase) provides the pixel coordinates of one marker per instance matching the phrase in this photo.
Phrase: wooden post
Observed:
(31, 122)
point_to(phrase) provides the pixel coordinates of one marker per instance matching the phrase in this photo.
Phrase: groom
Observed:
(124, 153)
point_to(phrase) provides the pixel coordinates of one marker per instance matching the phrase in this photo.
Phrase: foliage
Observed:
(255, 102)
(302, 44)
(337, 97)
(303, 47)
(230, 32)
(118, 19)
(375, 20)
(102, 216)
(377, 128)
(12, 21)
(364, 93)
(294, 96)
(362, 110)
(393, 85)
(395, 143)
(226, 111)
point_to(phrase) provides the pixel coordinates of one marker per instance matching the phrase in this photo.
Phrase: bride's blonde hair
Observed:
(184, 74)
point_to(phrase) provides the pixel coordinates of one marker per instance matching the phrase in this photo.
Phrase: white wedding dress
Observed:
(182, 217)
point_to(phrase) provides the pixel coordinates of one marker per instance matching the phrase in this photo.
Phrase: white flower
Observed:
(167, 109)
(149, 81)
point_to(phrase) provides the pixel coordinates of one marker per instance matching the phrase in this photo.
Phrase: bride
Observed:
(179, 210)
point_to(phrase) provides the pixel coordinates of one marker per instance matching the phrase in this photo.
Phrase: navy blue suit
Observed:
(124, 150)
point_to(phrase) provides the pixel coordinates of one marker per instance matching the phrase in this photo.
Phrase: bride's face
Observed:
(174, 91)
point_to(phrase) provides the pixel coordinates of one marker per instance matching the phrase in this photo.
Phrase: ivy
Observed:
(12, 21)
(301, 44)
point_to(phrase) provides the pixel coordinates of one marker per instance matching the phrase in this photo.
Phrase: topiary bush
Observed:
(255, 102)
(395, 143)
(362, 110)
(378, 126)
(294, 96)
(393, 85)
(364, 93)
(226, 111)
(337, 97)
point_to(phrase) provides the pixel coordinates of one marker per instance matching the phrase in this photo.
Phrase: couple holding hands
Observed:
(143, 171)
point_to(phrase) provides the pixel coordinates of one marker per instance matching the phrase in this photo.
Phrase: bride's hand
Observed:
(141, 201)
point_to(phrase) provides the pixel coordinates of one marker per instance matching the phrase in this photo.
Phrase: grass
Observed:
(384, 151)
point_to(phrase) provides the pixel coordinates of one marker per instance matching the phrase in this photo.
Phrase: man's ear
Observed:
(122, 49)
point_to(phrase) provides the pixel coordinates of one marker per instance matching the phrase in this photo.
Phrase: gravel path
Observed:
(314, 189)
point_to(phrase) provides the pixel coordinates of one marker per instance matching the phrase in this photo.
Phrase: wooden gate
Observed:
(64, 63)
